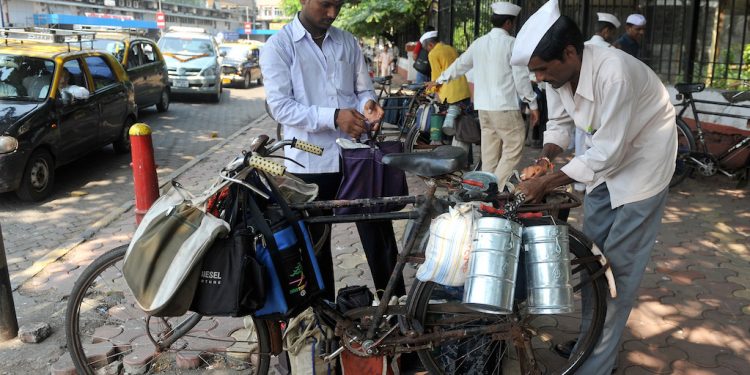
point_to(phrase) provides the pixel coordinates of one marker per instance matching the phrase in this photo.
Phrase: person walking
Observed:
(385, 59)
(635, 29)
(455, 92)
(627, 170)
(317, 86)
(497, 87)
(606, 27)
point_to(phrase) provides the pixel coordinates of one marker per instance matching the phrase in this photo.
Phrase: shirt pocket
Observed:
(344, 77)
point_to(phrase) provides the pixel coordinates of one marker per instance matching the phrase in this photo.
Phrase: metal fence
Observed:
(686, 40)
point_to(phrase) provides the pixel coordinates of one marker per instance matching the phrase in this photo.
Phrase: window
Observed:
(148, 53)
(75, 75)
(134, 57)
(267, 11)
(100, 71)
(278, 12)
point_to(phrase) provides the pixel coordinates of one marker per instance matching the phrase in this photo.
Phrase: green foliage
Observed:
(373, 18)
(733, 72)
(291, 7)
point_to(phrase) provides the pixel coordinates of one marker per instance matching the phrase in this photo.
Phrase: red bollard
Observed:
(144, 169)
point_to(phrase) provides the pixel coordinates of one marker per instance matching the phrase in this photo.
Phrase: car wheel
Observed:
(216, 98)
(246, 81)
(260, 81)
(38, 177)
(122, 144)
(163, 104)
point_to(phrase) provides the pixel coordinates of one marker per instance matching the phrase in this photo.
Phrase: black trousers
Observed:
(377, 237)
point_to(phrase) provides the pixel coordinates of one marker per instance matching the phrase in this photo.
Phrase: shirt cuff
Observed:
(326, 118)
(557, 138)
(533, 105)
(362, 102)
(578, 170)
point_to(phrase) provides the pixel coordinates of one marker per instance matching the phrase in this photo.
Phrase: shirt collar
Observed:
(299, 32)
(585, 79)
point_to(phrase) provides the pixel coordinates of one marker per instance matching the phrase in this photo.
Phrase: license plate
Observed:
(181, 83)
(226, 81)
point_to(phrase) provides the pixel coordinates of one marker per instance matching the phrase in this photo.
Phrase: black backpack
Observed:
(422, 63)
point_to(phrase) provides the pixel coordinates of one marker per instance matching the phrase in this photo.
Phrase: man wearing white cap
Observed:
(606, 27)
(627, 170)
(635, 29)
(497, 87)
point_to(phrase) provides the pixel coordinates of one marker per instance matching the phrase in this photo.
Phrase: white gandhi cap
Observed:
(636, 19)
(428, 35)
(505, 8)
(532, 32)
(606, 17)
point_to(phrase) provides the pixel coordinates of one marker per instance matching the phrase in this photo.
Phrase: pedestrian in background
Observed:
(635, 29)
(627, 170)
(317, 86)
(455, 92)
(385, 59)
(606, 29)
(497, 87)
(421, 62)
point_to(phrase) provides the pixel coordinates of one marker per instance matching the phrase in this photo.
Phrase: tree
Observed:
(373, 18)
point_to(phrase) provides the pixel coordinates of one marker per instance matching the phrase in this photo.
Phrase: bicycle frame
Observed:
(689, 102)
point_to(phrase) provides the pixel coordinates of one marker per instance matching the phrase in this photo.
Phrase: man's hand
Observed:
(535, 115)
(540, 168)
(431, 84)
(351, 122)
(373, 114)
(534, 190)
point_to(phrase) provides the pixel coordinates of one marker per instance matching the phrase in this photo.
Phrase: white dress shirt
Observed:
(306, 84)
(497, 85)
(624, 104)
(597, 40)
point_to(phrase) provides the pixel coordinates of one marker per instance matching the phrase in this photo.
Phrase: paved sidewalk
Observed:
(692, 316)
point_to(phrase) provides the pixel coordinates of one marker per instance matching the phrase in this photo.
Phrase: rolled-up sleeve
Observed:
(611, 141)
(277, 79)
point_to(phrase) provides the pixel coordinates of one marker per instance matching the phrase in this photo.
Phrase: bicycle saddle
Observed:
(687, 88)
(442, 160)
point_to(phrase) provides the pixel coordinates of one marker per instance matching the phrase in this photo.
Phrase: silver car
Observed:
(192, 57)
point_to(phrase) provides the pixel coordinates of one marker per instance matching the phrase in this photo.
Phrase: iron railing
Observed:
(686, 40)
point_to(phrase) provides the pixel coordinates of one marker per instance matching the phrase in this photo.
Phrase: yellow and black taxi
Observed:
(240, 65)
(192, 57)
(142, 60)
(59, 100)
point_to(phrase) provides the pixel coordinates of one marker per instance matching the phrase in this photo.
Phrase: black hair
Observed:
(429, 28)
(601, 25)
(498, 20)
(564, 32)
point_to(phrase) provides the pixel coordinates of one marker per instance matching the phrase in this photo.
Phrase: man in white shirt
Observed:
(627, 170)
(606, 27)
(318, 87)
(497, 87)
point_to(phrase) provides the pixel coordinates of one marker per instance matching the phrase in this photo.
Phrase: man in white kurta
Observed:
(627, 170)
(497, 87)
(606, 29)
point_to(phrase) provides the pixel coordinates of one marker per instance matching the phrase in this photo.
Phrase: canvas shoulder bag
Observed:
(160, 265)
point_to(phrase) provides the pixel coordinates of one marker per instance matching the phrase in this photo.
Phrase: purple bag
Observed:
(365, 176)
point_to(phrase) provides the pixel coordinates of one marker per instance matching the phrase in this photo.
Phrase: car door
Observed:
(78, 120)
(156, 70)
(111, 96)
(138, 74)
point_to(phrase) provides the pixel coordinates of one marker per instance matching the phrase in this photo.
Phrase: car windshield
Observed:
(186, 46)
(115, 47)
(25, 78)
(235, 52)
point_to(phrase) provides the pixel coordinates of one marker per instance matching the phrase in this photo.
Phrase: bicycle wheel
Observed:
(437, 308)
(418, 141)
(685, 146)
(105, 328)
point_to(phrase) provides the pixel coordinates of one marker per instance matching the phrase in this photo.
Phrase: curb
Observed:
(94, 228)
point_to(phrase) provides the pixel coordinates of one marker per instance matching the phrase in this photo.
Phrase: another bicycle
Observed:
(104, 326)
(698, 157)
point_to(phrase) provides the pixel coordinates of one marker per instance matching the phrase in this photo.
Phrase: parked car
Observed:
(239, 65)
(192, 58)
(144, 63)
(58, 102)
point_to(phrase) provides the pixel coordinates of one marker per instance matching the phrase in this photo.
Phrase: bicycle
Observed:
(698, 157)
(446, 335)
